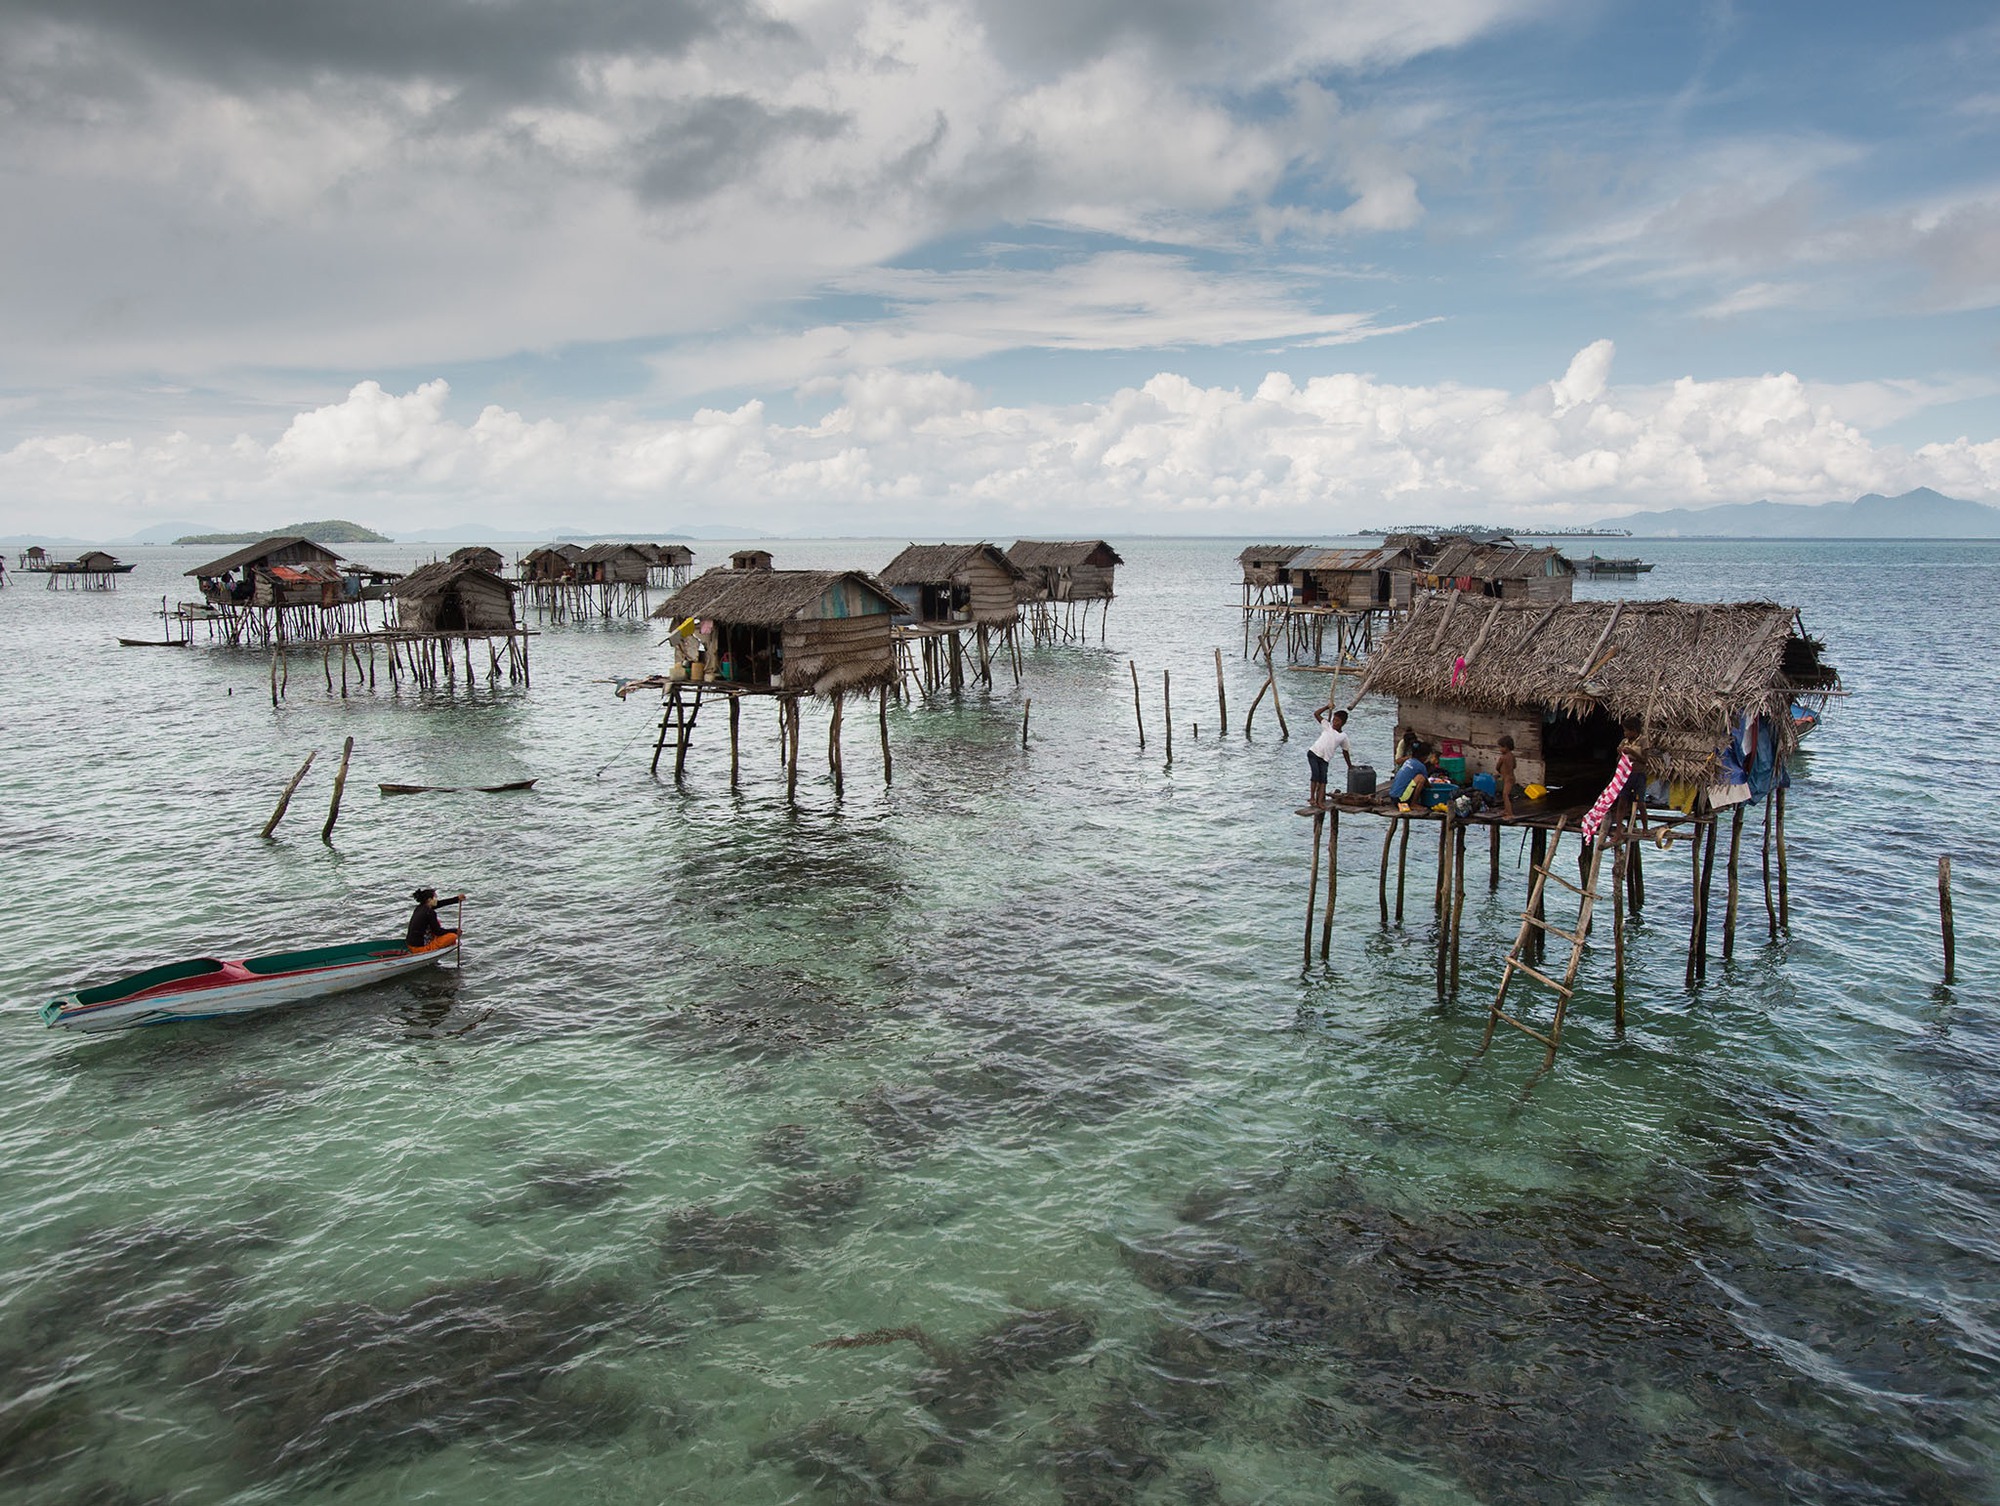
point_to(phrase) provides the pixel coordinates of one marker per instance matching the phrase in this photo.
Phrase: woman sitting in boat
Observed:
(425, 927)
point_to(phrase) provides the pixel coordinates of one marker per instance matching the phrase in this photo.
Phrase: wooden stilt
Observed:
(339, 786)
(1221, 693)
(1784, 870)
(792, 751)
(1137, 714)
(1332, 880)
(1636, 878)
(1444, 902)
(1694, 907)
(1618, 867)
(735, 724)
(882, 721)
(1312, 883)
(1167, 709)
(1538, 856)
(285, 799)
(1457, 901)
(1707, 891)
(1729, 905)
(1493, 858)
(1382, 877)
(1402, 865)
(1441, 890)
(833, 745)
(1770, 904)
(1026, 707)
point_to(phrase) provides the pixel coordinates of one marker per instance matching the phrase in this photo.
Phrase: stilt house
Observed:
(1513, 572)
(1076, 570)
(551, 563)
(454, 596)
(1266, 568)
(1354, 580)
(814, 631)
(284, 571)
(480, 557)
(614, 565)
(750, 559)
(947, 583)
(671, 564)
(1569, 680)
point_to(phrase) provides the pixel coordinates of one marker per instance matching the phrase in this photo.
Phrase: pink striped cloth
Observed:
(1595, 820)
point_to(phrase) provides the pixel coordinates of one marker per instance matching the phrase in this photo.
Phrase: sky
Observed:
(990, 267)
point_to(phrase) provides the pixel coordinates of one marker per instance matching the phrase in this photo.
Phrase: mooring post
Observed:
(286, 798)
(1138, 715)
(1694, 907)
(1770, 904)
(1221, 694)
(1444, 902)
(1493, 858)
(1026, 706)
(1167, 709)
(735, 735)
(1538, 856)
(833, 744)
(1332, 879)
(1618, 868)
(1402, 864)
(339, 784)
(791, 744)
(1944, 919)
(1457, 902)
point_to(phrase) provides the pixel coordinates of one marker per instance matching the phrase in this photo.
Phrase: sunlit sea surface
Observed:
(1009, 1071)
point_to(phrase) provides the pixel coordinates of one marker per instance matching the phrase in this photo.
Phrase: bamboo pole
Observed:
(339, 785)
(1137, 714)
(1538, 857)
(1332, 880)
(735, 735)
(1729, 905)
(1944, 920)
(1221, 693)
(1444, 901)
(1694, 908)
(1026, 706)
(792, 754)
(286, 798)
(1493, 858)
(1402, 865)
(1618, 871)
(1167, 711)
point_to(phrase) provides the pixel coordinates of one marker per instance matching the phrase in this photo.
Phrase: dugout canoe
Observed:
(204, 988)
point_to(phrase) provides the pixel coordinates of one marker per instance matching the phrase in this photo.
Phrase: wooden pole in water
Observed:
(1026, 706)
(1221, 693)
(1944, 920)
(1538, 857)
(1332, 880)
(1312, 883)
(1457, 903)
(1277, 705)
(1694, 908)
(1618, 868)
(1167, 711)
(286, 798)
(1382, 878)
(1784, 870)
(882, 721)
(792, 752)
(1137, 714)
(833, 744)
(339, 784)
(1770, 905)
(1729, 905)
(735, 732)
(1444, 901)
(1493, 859)
(1402, 865)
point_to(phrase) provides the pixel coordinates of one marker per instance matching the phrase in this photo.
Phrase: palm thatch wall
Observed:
(1066, 570)
(955, 582)
(454, 595)
(822, 631)
(1679, 671)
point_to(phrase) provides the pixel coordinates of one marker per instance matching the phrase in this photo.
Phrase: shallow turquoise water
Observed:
(1014, 1058)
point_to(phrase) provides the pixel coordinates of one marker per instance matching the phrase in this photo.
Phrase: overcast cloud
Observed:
(632, 245)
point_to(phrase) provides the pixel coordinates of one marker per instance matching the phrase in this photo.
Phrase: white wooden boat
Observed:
(204, 988)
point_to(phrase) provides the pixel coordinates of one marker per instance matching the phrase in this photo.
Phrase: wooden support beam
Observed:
(285, 799)
(339, 782)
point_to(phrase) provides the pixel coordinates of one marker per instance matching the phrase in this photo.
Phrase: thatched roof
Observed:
(936, 564)
(250, 554)
(1271, 554)
(439, 576)
(478, 553)
(1036, 554)
(1340, 561)
(666, 554)
(1498, 561)
(599, 553)
(1671, 666)
(763, 598)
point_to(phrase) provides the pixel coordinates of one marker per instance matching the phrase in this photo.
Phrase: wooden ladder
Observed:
(677, 717)
(1534, 920)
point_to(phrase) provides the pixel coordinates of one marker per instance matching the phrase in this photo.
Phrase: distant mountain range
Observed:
(1921, 514)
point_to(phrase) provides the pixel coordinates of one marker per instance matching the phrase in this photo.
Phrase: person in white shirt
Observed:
(1332, 739)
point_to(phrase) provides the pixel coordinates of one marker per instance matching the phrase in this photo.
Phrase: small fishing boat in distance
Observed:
(453, 789)
(1597, 565)
(204, 988)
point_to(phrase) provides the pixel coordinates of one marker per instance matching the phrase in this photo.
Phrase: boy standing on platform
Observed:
(1332, 739)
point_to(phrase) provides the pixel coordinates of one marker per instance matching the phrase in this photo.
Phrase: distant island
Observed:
(325, 531)
(1919, 514)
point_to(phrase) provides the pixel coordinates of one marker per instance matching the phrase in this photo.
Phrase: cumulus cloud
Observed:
(926, 451)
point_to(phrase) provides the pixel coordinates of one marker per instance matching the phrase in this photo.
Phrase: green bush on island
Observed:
(326, 531)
